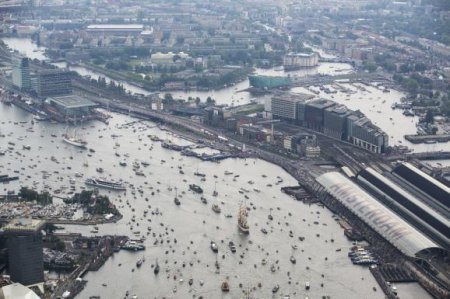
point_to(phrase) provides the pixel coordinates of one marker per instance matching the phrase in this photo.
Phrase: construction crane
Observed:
(271, 122)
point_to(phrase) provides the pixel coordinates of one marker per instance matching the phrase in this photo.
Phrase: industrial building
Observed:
(21, 74)
(53, 82)
(115, 29)
(72, 106)
(381, 219)
(427, 184)
(415, 210)
(293, 61)
(25, 250)
(304, 144)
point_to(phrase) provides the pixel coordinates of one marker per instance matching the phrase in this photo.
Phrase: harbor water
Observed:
(183, 233)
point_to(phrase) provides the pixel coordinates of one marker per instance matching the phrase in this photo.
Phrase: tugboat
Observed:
(214, 247)
(216, 208)
(225, 286)
(242, 219)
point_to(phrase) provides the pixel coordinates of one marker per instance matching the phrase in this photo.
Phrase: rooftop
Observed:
(321, 103)
(72, 101)
(115, 27)
(24, 225)
(298, 97)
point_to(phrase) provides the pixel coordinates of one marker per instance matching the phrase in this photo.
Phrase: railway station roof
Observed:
(381, 219)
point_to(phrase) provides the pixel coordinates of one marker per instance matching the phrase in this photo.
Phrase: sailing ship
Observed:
(75, 141)
(242, 219)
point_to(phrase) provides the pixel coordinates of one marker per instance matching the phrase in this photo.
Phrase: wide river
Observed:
(184, 232)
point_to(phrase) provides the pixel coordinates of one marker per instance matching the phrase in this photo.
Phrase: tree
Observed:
(168, 99)
(411, 85)
(429, 117)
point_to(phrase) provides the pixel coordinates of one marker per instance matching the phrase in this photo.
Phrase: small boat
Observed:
(216, 208)
(225, 286)
(156, 269)
(232, 246)
(139, 263)
(214, 247)
(275, 288)
(195, 188)
(292, 259)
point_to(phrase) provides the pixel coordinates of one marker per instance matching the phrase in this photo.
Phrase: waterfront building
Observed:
(315, 114)
(293, 61)
(335, 120)
(286, 106)
(168, 59)
(115, 29)
(21, 74)
(269, 82)
(25, 250)
(53, 82)
(362, 133)
(72, 106)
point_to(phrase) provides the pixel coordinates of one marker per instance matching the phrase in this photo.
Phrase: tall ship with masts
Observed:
(242, 219)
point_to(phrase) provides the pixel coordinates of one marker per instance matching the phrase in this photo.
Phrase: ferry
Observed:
(105, 184)
(133, 246)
